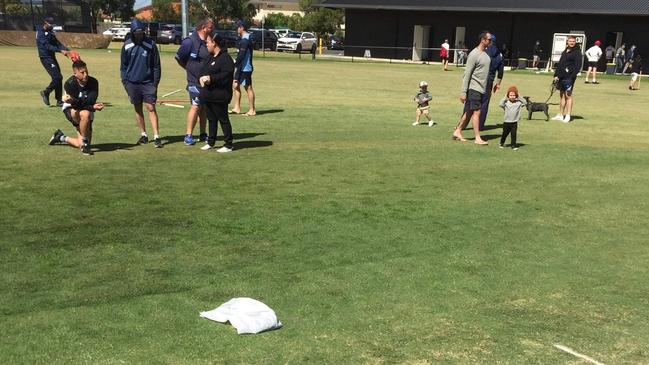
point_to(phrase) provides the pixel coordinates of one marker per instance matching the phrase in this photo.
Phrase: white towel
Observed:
(246, 315)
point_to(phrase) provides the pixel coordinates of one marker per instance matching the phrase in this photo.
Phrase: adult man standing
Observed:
(48, 45)
(140, 72)
(565, 76)
(190, 56)
(80, 104)
(444, 53)
(496, 72)
(593, 54)
(243, 71)
(474, 86)
(610, 53)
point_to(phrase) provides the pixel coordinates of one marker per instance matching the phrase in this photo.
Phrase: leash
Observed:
(553, 87)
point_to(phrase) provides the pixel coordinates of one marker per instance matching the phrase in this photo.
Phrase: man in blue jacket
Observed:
(190, 56)
(48, 45)
(243, 71)
(140, 72)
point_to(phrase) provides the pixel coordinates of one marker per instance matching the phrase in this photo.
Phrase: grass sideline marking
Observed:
(573, 352)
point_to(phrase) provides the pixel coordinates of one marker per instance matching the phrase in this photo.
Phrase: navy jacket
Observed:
(191, 55)
(220, 69)
(569, 64)
(140, 62)
(244, 57)
(47, 44)
(497, 66)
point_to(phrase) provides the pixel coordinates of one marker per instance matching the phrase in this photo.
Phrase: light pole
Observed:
(183, 11)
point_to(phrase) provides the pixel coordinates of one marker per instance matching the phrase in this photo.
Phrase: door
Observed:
(421, 40)
(459, 41)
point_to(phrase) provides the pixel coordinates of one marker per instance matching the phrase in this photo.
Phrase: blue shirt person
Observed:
(48, 45)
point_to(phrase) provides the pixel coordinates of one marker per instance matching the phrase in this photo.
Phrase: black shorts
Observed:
(444, 58)
(592, 64)
(245, 78)
(474, 99)
(138, 93)
(68, 115)
(566, 85)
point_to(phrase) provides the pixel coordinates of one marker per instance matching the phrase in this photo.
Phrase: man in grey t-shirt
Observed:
(474, 86)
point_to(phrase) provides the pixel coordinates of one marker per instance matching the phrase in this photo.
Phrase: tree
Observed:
(164, 11)
(277, 20)
(323, 21)
(122, 9)
(221, 10)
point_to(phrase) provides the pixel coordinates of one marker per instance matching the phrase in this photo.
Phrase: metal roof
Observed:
(608, 7)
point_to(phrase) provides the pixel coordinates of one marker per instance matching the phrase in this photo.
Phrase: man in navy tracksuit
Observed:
(190, 56)
(48, 45)
(140, 72)
(243, 71)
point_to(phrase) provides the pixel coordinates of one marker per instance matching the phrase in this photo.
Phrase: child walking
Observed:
(422, 99)
(512, 104)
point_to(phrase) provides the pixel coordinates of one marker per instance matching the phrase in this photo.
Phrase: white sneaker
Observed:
(431, 123)
(224, 150)
(558, 117)
(207, 147)
(566, 119)
(415, 124)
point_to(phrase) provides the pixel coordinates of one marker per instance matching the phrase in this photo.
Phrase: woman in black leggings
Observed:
(216, 91)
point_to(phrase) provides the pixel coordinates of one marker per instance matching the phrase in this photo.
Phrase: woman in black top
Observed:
(216, 91)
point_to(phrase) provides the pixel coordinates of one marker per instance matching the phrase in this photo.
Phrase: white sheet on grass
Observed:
(246, 315)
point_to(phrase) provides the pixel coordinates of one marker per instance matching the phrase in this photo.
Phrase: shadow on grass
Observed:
(108, 147)
(251, 144)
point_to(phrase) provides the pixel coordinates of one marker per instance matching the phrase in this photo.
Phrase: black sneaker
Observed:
(157, 143)
(59, 103)
(56, 137)
(202, 137)
(143, 140)
(85, 149)
(46, 97)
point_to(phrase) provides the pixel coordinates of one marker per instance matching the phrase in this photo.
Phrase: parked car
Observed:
(269, 41)
(281, 32)
(119, 33)
(170, 33)
(230, 37)
(297, 42)
(152, 29)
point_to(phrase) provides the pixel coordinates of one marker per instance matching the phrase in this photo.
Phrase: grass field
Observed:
(375, 242)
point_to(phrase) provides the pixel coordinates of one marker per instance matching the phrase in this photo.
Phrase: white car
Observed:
(118, 33)
(297, 42)
(281, 32)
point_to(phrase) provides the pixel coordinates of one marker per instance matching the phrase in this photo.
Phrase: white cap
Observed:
(423, 83)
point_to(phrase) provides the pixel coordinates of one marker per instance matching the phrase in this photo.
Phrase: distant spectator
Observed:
(593, 54)
(536, 54)
(636, 72)
(444, 53)
(506, 53)
(243, 71)
(620, 58)
(630, 55)
(461, 54)
(610, 53)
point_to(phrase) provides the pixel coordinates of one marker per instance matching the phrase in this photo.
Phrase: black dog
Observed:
(536, 107)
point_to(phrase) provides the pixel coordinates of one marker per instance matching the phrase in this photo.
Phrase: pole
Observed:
(183, 7)
(263, 35)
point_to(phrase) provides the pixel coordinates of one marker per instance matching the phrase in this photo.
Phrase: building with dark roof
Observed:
(393, 28)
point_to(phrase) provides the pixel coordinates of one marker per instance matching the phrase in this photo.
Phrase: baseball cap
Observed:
(597, 43)
(423, 83)
(48, 19)
(493, 37)
(242, 23)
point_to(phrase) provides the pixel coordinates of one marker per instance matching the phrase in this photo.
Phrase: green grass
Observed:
(374, 241)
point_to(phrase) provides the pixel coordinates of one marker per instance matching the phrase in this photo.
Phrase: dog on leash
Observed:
(536, 107)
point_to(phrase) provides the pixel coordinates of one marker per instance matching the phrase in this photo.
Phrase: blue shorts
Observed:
(194, 94)
(138, 93)
(245, 79)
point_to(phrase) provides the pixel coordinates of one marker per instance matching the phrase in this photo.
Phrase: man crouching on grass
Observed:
(79, 105)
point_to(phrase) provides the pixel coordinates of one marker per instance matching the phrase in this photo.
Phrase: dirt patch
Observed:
(72, 40)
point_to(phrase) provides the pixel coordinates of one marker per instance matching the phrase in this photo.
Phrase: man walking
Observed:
(474, 86)
(243, 71)
(444, 54)
(140, 72)
(48, 45)
(593, 54)
(565, 76)
(496, 72)
(190, 56)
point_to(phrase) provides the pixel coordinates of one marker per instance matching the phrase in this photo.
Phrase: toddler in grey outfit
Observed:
(512, 104)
